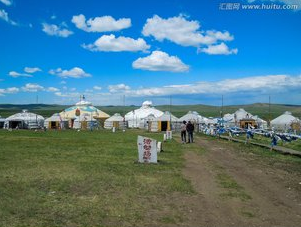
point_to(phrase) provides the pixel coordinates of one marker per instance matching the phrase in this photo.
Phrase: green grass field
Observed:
(70, 178)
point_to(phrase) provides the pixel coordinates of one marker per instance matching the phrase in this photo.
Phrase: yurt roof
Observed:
(285, 118)
(84, 117)
(167, 116)
(85, 108)
(24, 116)
(115, 117)
(191, 116)
(145, 110)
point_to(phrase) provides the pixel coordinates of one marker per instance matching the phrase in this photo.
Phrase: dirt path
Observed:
(234, 189)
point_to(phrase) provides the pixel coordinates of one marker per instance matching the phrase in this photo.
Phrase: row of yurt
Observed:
(115, 121)
(138, 117)
(285, 122)
(24, 120)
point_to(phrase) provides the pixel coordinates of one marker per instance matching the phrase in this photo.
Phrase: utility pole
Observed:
(269, 110)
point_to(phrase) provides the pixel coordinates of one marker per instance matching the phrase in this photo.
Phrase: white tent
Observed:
(116, 121)
(146, 122)
(193, 117)
(136, 116)
(164, 122)
(234, 119)
(284, 121)
(24, 120)
(56, 122)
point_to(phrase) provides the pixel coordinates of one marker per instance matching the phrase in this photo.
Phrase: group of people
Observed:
(187, 128)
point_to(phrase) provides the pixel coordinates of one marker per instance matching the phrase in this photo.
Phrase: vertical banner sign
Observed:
(147, 150)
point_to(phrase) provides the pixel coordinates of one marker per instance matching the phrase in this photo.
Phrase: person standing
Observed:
(190, 129)
(183, 132)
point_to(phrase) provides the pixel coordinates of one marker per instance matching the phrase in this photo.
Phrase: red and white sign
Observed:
(147, 150)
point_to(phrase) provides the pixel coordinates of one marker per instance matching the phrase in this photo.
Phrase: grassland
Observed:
(70, 178)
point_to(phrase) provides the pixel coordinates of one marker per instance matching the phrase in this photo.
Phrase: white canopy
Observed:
(284, 121)
(136, 116)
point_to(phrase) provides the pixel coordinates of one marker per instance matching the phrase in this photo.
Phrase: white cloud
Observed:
(75, 72)
(111, 43)
(72, 89)
(63, 82)
(52, 89)
(254, 84)
(220, 49)
(4, 16)
(54, 30)
(118, 88)
(68, 94)
(100, 24)
(32, 70)
(98, 88)
(10, 90)
(160, 61)
(182, 31)
(16, 74)
(32, 87)
(7, 2)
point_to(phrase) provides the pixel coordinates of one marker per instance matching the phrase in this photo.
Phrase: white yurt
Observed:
(164, 122)
(193, 117)
(239, 117)
(146, 123)
(116, 121)
(83, 111)
(285, 121)
(2, 121)
(24, 120)
(136, 116)
(56, 122)
(262, 124)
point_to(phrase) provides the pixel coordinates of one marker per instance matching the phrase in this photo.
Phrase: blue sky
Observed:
(194, 51)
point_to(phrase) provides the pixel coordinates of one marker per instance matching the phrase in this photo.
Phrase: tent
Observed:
(135, 117)
(83, 110)
(146, 123)
(285, 121)
(242, 118)
(56, 122)
(116, 121)
(164, 122)
(2, 121)
(24, 120)
(192, 116)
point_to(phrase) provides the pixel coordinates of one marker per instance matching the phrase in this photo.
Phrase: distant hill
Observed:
(260, 109)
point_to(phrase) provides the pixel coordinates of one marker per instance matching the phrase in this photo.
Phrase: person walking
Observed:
(190, 129)
(183, 132)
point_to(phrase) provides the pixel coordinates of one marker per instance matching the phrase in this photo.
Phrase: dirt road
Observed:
(236, 188)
